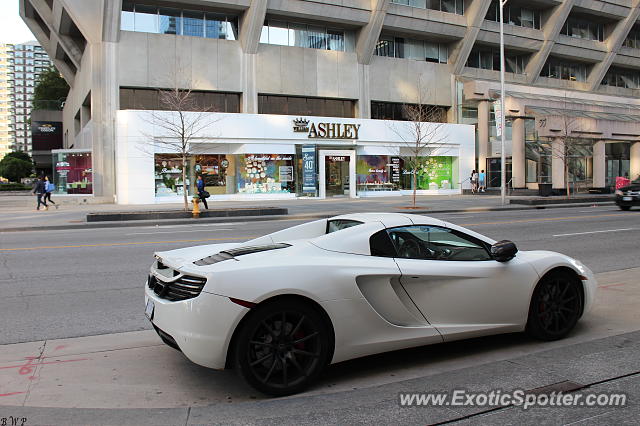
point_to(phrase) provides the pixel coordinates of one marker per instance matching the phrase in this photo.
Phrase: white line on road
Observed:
(175, 232)
(596, 232)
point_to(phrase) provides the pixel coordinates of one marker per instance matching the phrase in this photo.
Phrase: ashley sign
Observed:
(326, 130)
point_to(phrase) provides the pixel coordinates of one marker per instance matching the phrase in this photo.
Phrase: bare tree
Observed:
(571, 148)
(422, 136)
(181, 119)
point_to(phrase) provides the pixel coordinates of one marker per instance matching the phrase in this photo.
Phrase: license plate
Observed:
(148, 311)
(627, 198)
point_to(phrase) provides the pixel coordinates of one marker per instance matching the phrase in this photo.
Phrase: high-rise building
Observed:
(296, 79)
(6, 131)
(20, 68)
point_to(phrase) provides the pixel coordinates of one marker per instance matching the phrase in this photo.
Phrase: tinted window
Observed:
(338, 224)
(435, 243)
(380, 245)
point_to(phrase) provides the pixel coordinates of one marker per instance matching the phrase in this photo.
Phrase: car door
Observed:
(459, 288)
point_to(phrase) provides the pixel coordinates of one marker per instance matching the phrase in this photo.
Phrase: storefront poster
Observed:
(309, 168)
(286, 173)
(432, 173)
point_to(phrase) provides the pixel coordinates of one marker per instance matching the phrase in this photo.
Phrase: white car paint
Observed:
(375, 304)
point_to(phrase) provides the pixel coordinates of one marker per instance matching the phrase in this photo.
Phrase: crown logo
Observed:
(300, 125)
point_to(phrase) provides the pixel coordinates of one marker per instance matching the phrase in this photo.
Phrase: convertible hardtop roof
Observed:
(390, 219)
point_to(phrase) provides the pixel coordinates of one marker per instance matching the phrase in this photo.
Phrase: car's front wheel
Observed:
(625, 208)
(282, 347)
(555, 307)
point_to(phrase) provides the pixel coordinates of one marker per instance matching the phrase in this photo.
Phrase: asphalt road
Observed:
(71, 283)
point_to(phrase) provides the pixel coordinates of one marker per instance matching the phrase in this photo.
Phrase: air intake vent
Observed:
(185, 287)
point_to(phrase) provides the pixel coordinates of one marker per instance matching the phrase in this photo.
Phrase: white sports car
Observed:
(281, 307)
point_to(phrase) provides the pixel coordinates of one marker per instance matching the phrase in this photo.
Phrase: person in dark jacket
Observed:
(201, 191)
(40, 189)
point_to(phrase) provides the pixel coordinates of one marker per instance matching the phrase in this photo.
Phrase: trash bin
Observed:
(544, 189)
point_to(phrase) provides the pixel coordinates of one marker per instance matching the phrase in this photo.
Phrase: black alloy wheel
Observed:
(555, 307)
(282, 348)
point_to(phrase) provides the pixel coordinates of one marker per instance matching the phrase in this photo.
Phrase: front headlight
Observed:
(618, 192)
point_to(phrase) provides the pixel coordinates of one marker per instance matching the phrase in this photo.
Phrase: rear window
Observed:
(339, 224)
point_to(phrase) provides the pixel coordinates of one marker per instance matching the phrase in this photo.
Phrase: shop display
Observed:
(73, 173)
(432, 173)
(265, 174)
(168, 175)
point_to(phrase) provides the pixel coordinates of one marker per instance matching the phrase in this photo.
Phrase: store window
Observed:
(168, 175)
(265, 174)
(214, 169)
(377, 173)
(73, 173)
(431, 173)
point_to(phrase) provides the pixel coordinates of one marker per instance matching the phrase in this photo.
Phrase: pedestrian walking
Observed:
(39, 191)
(201, 192)
(474, 181)
(49, 187)
(482, 183)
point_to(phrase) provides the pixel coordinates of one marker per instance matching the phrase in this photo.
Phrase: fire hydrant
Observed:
(196, 207)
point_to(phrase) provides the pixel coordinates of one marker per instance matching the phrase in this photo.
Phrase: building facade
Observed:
(20, 68)
(573, 79)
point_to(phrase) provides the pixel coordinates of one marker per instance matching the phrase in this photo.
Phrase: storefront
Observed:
(72, 171)
(251, 156)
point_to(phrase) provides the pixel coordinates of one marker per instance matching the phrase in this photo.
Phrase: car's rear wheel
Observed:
(282, 347)
(625, 208)
(555, 307)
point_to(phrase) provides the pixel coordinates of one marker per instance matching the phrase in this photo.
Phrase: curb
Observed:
(134, 223)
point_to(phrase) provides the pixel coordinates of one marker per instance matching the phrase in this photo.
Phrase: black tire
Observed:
(556, 306)
(625, 208)
(282, 364)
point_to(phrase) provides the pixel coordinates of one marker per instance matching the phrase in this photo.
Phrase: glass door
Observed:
(337, 175)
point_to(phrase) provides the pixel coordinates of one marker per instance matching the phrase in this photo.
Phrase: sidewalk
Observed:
(132, 378)
(17, 212)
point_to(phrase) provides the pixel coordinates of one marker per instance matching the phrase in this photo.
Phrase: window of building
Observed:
(582, 28)
(633, 38)
(297, 105)
(450, 6)
(622, 77)
(148, 99)
(195, 23)
(399, 111)
(421, 50)
(489, 59)
(304, 35)
(564, 70)
(514, 15)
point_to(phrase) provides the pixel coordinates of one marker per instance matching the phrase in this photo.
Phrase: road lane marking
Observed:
(544, 219)
(595, 232)
(127, 244)
(175, 232)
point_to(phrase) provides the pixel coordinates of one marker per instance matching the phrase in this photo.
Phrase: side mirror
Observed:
(504, 250)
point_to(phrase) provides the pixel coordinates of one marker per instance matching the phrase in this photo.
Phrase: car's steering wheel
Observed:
(410, 249)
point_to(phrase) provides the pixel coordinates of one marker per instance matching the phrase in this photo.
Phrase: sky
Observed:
(12, 28)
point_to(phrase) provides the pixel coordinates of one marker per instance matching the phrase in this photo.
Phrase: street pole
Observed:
(503, 160)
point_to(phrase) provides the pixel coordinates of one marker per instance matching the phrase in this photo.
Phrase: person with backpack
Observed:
(39, 191)
(49, 187)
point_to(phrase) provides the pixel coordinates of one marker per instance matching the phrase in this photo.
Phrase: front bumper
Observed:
(201, 327)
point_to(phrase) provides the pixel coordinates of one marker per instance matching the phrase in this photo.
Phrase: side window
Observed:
(339, 224)
(435, 243)
(380, 245)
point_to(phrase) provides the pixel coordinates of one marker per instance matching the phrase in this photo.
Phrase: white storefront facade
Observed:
(261, 156)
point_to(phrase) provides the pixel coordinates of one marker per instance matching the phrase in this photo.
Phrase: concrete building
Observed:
(20, 67)
(573, 79)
